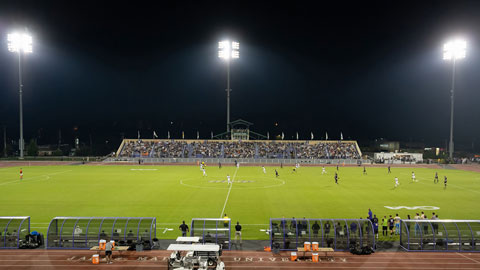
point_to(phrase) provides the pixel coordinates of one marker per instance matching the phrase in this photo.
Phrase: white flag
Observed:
(268, 135)
(326, 136)
(283, 135)
(297, 135)
(211, 133)
(341, 136)
(139, 134)
(183, 135)
(198, 135)
(311, 135)
(155, 134)
(168, 135)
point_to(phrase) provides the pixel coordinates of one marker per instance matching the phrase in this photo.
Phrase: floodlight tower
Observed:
(20, 43)
(453, 50)
(228, 50)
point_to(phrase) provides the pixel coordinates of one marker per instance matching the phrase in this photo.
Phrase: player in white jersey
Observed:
(396, 182)
(413, 177)
(238, 165)
(323, 170)
(228, 179)
(204, 172)
(264, 171)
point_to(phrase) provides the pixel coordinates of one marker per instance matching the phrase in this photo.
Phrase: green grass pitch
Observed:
(176, 193)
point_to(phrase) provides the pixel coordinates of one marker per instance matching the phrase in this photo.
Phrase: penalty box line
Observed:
(228, 194)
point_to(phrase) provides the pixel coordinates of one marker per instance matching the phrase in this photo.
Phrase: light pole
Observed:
(453, 50)
(228, 50)
(20, 43)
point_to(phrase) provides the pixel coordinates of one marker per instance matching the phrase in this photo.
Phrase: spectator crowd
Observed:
(240, 149)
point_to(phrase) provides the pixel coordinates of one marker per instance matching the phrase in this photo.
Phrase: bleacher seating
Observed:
(240, 149)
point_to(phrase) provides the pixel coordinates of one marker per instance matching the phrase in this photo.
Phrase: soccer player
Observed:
(413, 177)
(21, 174)
(204, 172)
(396, 182)
(435, 180)
(337, 167)
(323, 170)
(336, 178)
(445, 182)
(389, 171)
(264, 171)
(364, 170)
(294, 169)
(238, 165)
(276, 173)
(228, 179)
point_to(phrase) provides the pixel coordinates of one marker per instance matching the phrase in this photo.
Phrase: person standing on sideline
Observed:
(397, 224)
(108, 252)
(225, 222)
(21, 174)
(238, 232)
(375, 225)
(370, 214)
(384, 225)
(184, 228)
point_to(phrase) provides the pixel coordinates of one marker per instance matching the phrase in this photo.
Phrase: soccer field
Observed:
(176, 193)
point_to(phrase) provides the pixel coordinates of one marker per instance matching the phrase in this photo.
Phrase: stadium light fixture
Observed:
(228, 50)
(453, 50)
(20, 43)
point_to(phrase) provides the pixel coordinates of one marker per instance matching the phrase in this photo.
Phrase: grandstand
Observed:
(252, 149)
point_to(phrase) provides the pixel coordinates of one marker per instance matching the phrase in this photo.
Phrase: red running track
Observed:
(81, 259)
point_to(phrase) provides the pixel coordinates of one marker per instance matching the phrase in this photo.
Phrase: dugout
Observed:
(440, 235)
(86, 232)
(212, 230)
(13, 231)
(339, 234)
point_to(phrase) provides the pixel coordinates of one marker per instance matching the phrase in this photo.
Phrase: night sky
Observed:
(366, 69)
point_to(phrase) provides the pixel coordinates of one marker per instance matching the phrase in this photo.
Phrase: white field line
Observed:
(228, 194)
(28, 180)
(467, 257)
(440, 182)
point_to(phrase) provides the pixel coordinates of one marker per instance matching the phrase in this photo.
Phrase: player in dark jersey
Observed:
(389, 171)
(364, 170)
(445, 182)
(276, 173)
(435, 180)
(336, 178)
